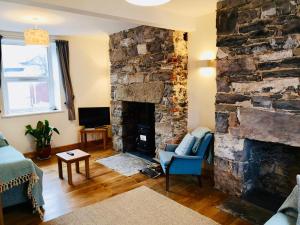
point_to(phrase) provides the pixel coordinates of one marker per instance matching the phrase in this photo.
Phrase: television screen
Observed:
(94, 117)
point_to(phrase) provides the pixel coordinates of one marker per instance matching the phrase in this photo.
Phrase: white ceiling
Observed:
(17, 18)
(75, 17)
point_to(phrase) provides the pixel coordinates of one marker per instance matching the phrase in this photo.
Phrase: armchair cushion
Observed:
(185, 146)
(165, 157)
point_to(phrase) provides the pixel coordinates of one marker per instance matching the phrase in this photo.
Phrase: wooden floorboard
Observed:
(60, 198)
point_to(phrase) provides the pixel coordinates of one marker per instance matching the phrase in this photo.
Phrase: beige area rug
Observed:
(141, 206)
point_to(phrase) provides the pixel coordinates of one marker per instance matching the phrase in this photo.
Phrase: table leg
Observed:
(77, 167)
(85, 140)
(81, 139)
(60, 171)
(1, 212)
(104, 139)
(87, 168)
(69, 173)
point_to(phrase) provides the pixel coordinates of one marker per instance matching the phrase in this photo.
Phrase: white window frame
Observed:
(54, 106)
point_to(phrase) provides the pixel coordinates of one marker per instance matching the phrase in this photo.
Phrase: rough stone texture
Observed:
(278, 127)
(258, 83)
(151, 92)
(149, 65)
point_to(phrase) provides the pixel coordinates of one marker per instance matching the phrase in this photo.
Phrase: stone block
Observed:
(275, 85)
(268, 10)
(222, 122)
(236, 66)
(262, 101)
(293, 62)
(228, 147)
(281, 73)
(292, 27)
(142, 49)
(151, 92)
(276, 56)
(296, 52)
(231, 98)
(292, 105)
(233, 120)
(226, 108)
(231, 41)
(226, 21)
(136, 78)
(278, 127)
(252, 27)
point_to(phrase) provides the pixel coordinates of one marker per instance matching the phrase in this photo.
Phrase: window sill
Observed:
(31, 114)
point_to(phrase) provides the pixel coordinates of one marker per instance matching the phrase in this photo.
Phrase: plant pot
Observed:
(44, 153)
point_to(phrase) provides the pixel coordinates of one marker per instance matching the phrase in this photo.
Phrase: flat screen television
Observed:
(93, 117)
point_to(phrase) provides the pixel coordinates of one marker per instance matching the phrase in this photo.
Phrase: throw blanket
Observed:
(16, 170)
(291, 205)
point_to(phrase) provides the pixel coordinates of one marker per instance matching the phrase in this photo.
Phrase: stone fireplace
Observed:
(148, 66)
(257, 138)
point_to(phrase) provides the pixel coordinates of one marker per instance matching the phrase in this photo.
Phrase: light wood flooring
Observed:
(61, 198)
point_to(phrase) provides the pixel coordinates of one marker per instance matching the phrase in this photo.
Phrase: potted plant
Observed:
(42, 135)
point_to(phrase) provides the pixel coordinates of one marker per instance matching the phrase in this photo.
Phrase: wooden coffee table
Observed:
(69, 159)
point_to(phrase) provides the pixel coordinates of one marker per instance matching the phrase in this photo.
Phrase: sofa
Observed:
(20, 179)
(288, 213)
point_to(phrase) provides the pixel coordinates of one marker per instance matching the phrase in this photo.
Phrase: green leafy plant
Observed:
(42, 134)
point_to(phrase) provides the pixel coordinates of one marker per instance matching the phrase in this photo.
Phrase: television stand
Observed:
(102, 131)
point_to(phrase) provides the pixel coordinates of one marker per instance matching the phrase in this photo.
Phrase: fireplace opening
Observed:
(271, 173)
(139, 128)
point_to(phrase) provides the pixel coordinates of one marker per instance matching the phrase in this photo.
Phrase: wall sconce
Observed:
(207, 67)
(207, 63)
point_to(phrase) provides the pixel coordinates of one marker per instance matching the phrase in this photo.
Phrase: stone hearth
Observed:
(149, 65)
(258, 99)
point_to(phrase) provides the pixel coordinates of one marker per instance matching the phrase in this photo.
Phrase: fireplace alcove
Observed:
(139, 128)
(271, 172)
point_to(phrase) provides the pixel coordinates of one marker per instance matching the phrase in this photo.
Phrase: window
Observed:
(29, 78)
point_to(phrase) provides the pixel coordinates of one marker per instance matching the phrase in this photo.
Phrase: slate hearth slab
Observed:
(245, 210)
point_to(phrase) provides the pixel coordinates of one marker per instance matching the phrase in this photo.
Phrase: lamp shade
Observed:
(36, 37)
(148, 2)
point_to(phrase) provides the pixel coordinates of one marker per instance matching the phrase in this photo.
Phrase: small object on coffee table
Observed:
(74, 156)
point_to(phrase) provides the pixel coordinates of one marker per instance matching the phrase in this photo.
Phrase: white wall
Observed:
(89, 65)
(202, 86)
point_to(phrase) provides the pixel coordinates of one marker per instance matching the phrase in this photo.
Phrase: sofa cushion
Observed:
(185, 146)
(281, 219)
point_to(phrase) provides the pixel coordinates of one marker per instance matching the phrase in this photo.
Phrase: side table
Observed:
(69, 159)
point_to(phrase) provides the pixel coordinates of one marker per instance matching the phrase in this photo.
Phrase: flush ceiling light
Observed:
(148, 2)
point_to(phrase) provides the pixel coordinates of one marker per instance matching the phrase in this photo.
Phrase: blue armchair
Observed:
(172, 163)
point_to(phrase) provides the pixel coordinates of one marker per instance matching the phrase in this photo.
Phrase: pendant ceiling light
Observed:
(148, 2)
(36, 37)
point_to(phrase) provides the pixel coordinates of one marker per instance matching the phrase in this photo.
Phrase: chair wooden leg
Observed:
(167, 181)
(199, 180)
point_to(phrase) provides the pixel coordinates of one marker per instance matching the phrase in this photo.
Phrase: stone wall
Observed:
(258, 71)
(149, 64)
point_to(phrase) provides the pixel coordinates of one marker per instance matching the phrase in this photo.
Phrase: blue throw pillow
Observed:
(185, 147)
